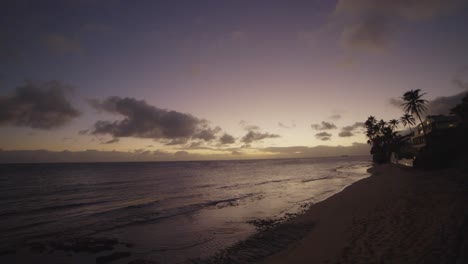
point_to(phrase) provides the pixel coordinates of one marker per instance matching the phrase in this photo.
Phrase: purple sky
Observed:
(163, 80)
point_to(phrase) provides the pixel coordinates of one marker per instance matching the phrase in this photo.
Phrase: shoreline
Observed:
(396, 215)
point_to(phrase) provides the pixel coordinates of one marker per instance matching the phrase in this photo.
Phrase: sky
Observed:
(117, 80)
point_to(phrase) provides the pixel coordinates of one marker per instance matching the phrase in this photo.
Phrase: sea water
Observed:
(169, 212)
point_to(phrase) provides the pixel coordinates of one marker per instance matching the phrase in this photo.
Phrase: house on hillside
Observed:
(434, 124)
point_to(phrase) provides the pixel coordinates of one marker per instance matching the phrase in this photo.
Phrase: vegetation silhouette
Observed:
(415, 105)
(442, 147)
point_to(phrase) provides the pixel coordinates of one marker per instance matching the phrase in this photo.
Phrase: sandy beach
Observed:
(397, 215)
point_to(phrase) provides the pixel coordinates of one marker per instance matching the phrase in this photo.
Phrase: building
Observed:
(432, 124)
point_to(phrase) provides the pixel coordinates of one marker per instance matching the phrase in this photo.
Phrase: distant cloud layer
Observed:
(41, 156)
(320, 151)
(371, 24)
(142, 120)
(323, 126)
(38, 105)
(349, 131)
(324, 136)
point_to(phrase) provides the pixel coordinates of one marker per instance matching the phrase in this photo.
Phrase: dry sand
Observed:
(398, 215)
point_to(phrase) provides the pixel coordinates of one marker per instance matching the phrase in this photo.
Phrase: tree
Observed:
(415, 105)
(407, 120)
(394, 123)
(461, 110)
(382, 138)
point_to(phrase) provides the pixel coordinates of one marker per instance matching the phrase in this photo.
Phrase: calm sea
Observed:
(166, 211)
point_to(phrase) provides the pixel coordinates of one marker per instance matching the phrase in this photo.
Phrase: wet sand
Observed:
(398, 215)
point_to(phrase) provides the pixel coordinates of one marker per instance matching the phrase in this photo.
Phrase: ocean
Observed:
(169, 212)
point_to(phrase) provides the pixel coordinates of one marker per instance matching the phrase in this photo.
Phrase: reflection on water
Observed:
(170, 211)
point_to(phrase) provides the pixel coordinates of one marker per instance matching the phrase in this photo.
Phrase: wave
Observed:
(50, 208)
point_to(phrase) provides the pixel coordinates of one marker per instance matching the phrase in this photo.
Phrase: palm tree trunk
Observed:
(423, 128)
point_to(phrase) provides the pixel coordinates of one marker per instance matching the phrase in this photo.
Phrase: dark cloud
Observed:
(324, 136)
(83, 132)
(114, 140)
(345, 134)
(227, 139)
(442, 105)
(371, 24)
(438, 106)
(323, 126)
(335, 117)
(253, 136)
(146, 121)
(38, 105)
(61, 44)
(349, 131)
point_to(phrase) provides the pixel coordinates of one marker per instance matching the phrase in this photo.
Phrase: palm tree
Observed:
(407, 120)
(394, 123)
(413, 104)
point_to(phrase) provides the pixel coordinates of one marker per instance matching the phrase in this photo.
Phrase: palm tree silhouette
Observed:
(393, 123)
(413, 104)
(407, 120)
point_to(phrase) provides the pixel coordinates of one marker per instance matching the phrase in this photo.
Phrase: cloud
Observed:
(253, 136)
(44, 156)
(323, 126)
(245, 125)
(83, 132)
(460, 80)
(114, 140)
(62, 44)
(40, 105)
(371, 24)
(397, 102)
(319, 151)
(442, 105)
(142, 120)
(335, 117)
(324, 136)
(282, 125)
(438, 106)
(227, 139)
(349, 131)
(181, 153)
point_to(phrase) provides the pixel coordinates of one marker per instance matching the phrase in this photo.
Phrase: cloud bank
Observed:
(39, 105)
(142, 120)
